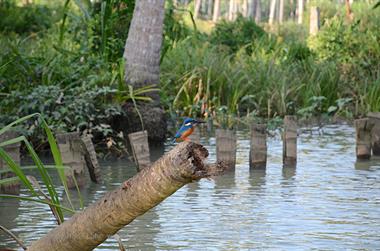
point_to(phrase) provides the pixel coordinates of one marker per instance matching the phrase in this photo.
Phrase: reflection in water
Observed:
(288, 173)
(8, 217)
(257, 178)
(329, 201)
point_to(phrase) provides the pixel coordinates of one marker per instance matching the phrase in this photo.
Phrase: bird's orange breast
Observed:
(187, 133)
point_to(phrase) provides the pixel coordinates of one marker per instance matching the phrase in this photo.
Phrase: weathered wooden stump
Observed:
(91, 159)
(140, 149)
(226, 147)
(13, 187)
(363, 138)
(258, 151)
(70, 146)
(314, 20)
(375, 120)
(289, 154)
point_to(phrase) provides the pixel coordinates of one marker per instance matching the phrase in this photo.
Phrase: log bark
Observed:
(89, 228)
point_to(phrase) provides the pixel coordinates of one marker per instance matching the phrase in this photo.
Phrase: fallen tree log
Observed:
(87, 229)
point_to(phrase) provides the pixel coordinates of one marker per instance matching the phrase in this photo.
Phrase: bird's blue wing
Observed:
(180, 132)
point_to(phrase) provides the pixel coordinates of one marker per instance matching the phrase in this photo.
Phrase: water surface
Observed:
(329, 202)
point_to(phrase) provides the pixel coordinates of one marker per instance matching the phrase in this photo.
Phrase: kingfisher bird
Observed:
(186, 129)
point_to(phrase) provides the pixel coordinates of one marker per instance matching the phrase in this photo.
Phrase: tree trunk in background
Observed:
(203, 7)
(251, 9)
(300, 11)
(281, 12)
(87, 229)
(231, 10)
(197, 8)
(245, 8)
(258, 11)
(349, 15)
(216, 11)
(209, 9)
(142, 67)
(272, 11)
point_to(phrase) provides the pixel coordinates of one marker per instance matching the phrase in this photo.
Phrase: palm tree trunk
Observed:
(251, 9)
(281, 12)
(142, 67)
(209, 9)
(258, 11)
(197, 8)
(245, 8)
(231, 10)
(89, 228)
(272, 11)
(300, 11)
(349, 15)
(216, 11)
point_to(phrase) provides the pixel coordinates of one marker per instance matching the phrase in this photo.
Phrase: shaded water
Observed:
(329, 202)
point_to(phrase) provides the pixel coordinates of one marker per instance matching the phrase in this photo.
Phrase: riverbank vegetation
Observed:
(65, 61)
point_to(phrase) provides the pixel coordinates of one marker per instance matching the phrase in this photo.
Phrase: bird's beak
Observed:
(200, 121)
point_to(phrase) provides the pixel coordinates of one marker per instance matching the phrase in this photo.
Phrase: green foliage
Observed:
(355, 48)
(237, 34)
(276, 79)
(25, 19)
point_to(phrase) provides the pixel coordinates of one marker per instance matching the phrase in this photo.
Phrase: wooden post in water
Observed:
(289, 150)
(375, 119)
(258, 151)
(13, 187)
(91, 159)
(226, 147)
(363, 138)
(140, 149)
(70, 146)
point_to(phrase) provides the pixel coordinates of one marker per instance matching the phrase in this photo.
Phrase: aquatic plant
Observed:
(36, 192)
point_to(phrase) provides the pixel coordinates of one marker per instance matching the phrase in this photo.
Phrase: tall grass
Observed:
(37, 195)
(264, 81)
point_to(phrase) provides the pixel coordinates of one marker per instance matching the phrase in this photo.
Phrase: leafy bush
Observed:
(355, 48)
(236, 34)
(269, 81)
(25, 19)
(354, 43)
